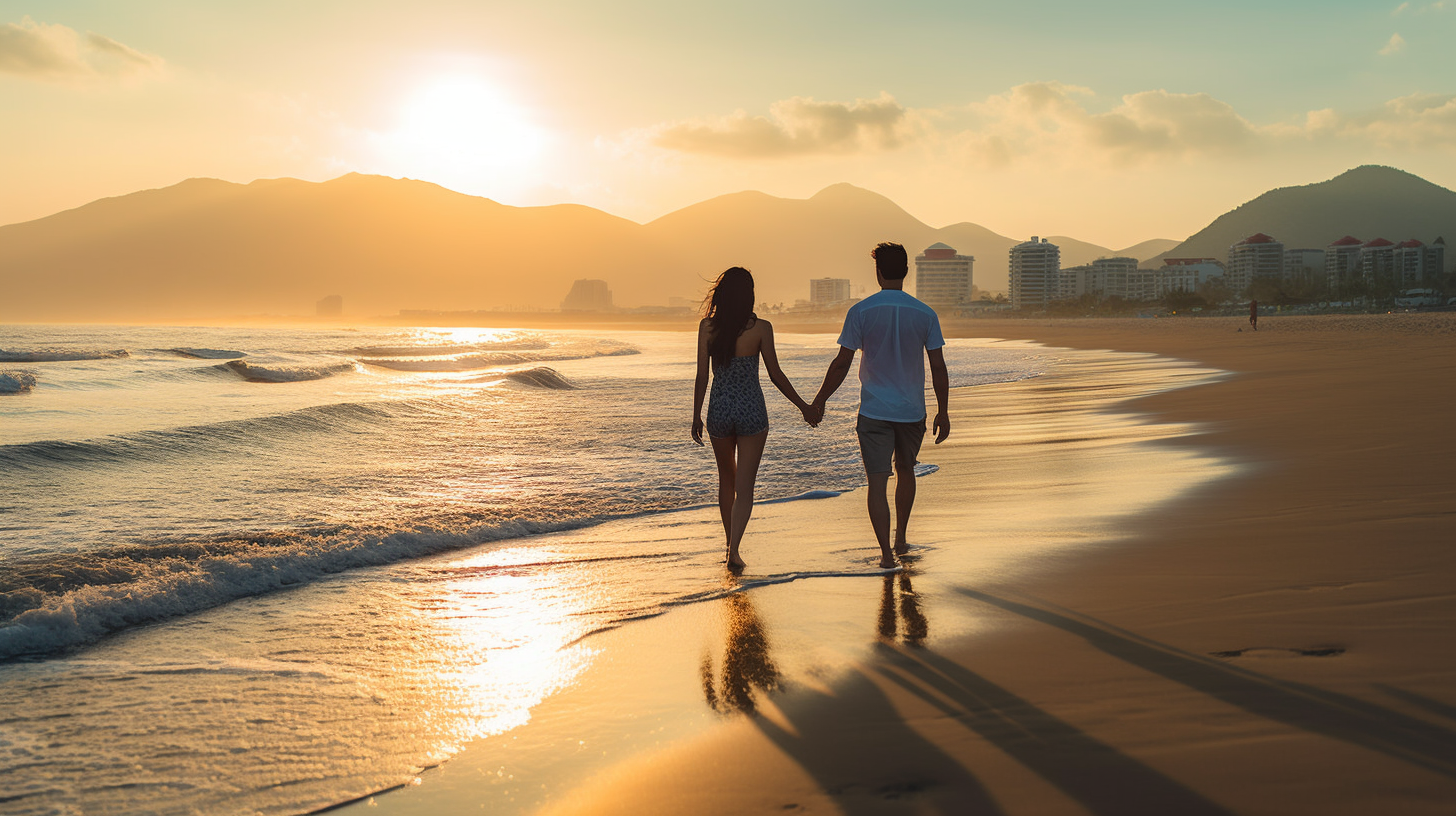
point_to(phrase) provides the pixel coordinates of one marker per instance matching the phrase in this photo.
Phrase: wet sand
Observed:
(1241, 602)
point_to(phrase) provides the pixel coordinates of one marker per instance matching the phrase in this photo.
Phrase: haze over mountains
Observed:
(1366, 202)
(213, 249)
(207, 248)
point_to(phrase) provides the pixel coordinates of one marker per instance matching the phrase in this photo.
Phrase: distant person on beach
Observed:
(897, 333)
(1254, 314)
(732, 338)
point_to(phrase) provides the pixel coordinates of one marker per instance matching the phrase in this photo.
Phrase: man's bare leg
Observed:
(904, 501)
(879, 506)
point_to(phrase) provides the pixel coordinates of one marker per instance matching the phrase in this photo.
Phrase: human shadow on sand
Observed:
(1101, 778)
(864, 753)
(1312, 709)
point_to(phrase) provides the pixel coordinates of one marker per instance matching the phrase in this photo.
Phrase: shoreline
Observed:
(1268, 643)
(813, 634)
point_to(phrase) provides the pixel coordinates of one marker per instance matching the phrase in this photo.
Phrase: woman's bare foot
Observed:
(901, 548)
(735, 564)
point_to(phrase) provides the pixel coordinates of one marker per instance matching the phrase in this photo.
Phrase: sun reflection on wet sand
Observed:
(508, 628)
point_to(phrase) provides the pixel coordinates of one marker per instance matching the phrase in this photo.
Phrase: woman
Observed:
(732, 338)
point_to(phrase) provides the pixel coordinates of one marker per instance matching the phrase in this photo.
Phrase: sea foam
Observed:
(69, 600)
(16, 382)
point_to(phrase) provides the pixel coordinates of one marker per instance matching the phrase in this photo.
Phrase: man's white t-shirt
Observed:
(894, 330)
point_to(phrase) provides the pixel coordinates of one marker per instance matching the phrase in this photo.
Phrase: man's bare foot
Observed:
(735, 564)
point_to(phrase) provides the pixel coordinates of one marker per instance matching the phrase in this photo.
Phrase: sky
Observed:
(1111, 122)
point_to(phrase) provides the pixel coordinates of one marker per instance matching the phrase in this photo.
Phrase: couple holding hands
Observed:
(896, 332)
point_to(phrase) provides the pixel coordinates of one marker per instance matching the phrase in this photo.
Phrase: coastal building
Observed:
(1377, 261)
(827, 291)
(1416, 263)
(588, 295)
(1303, 265)
(1258, 256)
(1073, 282)
(1185, 275)
(1035, 273)
(943, 278)
(1342, 260)
(1121, 278)
(1105, 278)
(330, 306)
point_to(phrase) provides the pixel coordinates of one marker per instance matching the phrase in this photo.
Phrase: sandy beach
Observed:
(1233, 597)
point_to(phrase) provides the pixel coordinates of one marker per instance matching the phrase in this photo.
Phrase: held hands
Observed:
(698, 430)
(813, 413)
(941, 427)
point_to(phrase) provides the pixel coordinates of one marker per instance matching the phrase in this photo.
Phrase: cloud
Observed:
(51, 51)
(1400, 9)
(794, 127)
(1051, 124)
(1052, 119)
(1418, 121)
(1394, 45)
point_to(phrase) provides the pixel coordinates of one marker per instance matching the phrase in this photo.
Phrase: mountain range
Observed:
(206, 248)
(1367, 202)
(213, 249)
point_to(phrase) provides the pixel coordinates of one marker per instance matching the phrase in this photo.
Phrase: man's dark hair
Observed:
(891, 261)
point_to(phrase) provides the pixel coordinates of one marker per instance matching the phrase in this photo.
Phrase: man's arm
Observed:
(940, 381)
(833, 378)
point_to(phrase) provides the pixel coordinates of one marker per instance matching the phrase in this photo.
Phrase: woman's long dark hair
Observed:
(729, 309)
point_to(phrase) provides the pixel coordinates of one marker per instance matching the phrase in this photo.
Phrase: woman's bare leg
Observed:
(750, 451)
(725, 450)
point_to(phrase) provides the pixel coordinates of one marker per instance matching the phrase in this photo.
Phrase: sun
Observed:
(464, 132)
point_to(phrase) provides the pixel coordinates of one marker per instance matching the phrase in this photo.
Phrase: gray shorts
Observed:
(880, 442)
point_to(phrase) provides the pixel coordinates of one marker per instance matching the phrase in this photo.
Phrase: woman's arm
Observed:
(776, 374)
(700, 384)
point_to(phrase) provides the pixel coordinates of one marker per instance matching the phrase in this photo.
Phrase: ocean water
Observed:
(269, 569)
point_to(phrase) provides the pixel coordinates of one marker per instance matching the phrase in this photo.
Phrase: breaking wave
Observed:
(59, 602)
(284, 374)
(542, 377)
(210, 439)
(59, 356)
(207, 353)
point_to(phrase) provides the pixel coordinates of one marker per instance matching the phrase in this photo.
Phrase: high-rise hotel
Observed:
(943, 278)
(1036, 266)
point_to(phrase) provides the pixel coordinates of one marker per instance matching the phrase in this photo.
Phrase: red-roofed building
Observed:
(1342, 259)
(1377, 260)
(943, 278)
(1258, 256)
(1416, 264)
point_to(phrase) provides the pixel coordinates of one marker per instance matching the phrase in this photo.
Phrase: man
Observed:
(896, 333)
